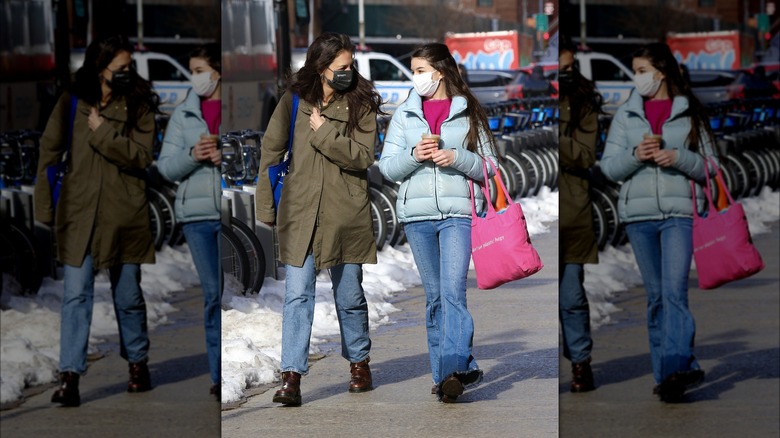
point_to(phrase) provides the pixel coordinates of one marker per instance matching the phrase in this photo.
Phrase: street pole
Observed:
(362, 26)
(283, 37)
(139, 12)
(311, 21)
(583, 27)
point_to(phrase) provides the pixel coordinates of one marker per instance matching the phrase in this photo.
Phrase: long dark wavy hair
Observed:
(581, 92)
(212, 53)
(307, 82)
(439, 57)
(660, 57)
(86, 84)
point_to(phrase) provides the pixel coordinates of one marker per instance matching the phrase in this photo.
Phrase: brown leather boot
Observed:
(582, 377)
(68, 393)
(360, 377)
(139, 377)
(290, 392)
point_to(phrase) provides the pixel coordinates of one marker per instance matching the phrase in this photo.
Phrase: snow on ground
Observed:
(30, 325)
(251, 325)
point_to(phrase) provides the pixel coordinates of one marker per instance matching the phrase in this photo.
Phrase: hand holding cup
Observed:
(205, 148)
(426, 146)
(651, 143)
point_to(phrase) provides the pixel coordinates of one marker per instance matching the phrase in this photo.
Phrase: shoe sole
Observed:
(452, 388)
(287, 400)
(137, 390)
(583, 389)
(66, 403)
(355, 391)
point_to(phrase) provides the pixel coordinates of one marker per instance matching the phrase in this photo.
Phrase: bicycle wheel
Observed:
(521, 174)
(609, 209)
(388, 210)
(18, 257)
(535, 172)
(390, 189)
(599, 225)
(157, 223)
(508, 176)
(254, 253)
(380, 225)
(755, 173)
(234, 259)
(177, 236)
(166, 210)
(741, 179)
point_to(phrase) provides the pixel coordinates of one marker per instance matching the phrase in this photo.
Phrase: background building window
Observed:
(484, 3)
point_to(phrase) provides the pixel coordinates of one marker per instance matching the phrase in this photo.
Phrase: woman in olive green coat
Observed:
(102, 217)
(324, 219)
(579, 107)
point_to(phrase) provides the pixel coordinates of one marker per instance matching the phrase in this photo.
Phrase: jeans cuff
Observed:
(295, 370)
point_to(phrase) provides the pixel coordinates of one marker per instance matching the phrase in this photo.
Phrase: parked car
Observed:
(515, 89)
(712, 86)
(745, 78)
(490, 86)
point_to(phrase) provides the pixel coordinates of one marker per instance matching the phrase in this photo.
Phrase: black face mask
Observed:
(342, 79)
(121, 81)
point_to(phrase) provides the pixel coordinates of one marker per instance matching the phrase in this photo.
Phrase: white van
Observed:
(170, 79)
(613, 79)
(391, 79)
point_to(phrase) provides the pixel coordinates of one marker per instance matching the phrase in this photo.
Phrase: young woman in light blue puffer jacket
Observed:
(434, 203)
(656, 145)
(193, 159)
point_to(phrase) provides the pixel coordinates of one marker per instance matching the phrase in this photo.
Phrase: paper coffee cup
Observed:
(434, 137)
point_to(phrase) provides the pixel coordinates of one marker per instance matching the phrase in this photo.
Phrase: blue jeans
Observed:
(442, 251)
(76, 313)
(574, 312)
(298, 313)
(203, 238)
(663, 251)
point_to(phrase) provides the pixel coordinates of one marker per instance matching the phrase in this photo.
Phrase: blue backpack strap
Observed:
(294, 113)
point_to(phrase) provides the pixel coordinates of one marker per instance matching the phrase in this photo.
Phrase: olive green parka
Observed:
(103, 209)
(577, 155)
(325, 208)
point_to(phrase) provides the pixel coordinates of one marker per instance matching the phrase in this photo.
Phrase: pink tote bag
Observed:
(722, 247)
(500, 245)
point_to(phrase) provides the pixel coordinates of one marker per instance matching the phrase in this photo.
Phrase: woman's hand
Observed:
(205, 148)
(665, 157)
(95, 119)
(443, 157)
(425, 149)
(316, 120)
(216, 156)
(646, 150)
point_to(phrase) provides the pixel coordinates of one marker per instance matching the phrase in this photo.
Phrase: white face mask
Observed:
(646, 85)
(203, 85)
(424, 84)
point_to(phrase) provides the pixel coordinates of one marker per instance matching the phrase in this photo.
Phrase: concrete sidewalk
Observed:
(179, 404)
(516, 344)
(737, 344)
